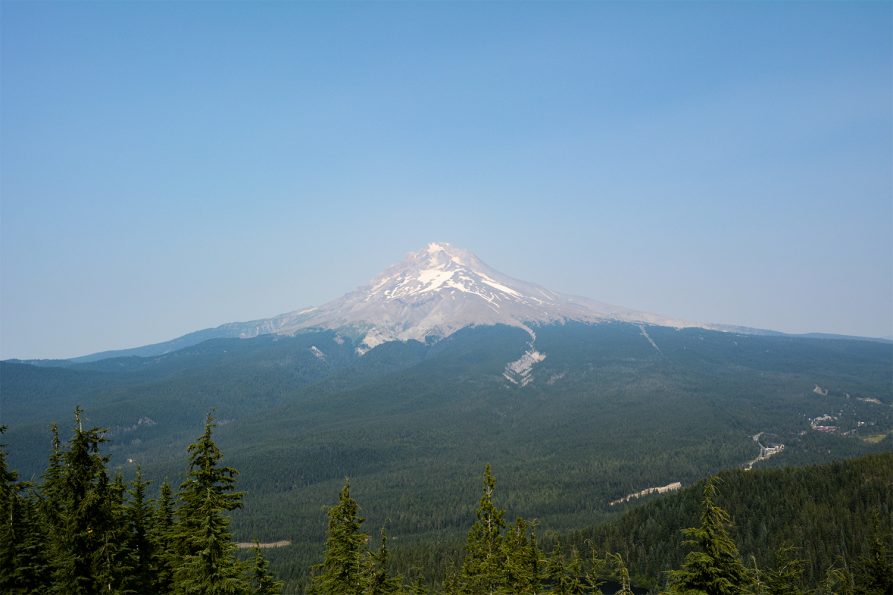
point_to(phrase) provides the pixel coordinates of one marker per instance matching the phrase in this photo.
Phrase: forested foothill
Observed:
(604, 416)
(80, 529)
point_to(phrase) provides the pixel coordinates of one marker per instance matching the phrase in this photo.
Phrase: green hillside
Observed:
(608, 414)
(829, 514)
(820, 529)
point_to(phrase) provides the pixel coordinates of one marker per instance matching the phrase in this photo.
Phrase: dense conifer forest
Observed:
(795, 530)
(414, 424)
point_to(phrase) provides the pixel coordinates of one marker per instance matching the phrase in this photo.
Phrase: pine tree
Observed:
(378, 580)
(83, 546)
(341, 571)
(162, 540)
(523, 559)
(715, 567)
(11, 525)
(32, 570)
(51, 501)
(117, 560)
(262, 582)
(483, 569)
(786, 575)
(138, 512)
(565, 576)
(451, 579)
(874, 571)
(838, 580)
(207, 560)
(622, 574)
(598, 569)
(24, 541)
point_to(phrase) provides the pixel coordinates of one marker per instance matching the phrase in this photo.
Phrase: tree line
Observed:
(82, 531)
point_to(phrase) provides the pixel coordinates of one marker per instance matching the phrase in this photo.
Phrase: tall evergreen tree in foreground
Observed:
(874, 571)
(496, 562)
(204, 543)
(341, 570)
(348, 566)
(23, 563)
(523, 563)
(84, 548)
(784, 577)
(483, 570)
(378, 578)
(714, 567)
(162, 541)
(10, 524)
(262, 582)
(138, 515)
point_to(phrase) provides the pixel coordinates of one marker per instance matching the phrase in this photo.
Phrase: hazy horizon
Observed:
(172, 167)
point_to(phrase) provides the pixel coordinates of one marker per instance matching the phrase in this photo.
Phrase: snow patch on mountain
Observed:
(650, 340)
(520, 371)
(373, 339)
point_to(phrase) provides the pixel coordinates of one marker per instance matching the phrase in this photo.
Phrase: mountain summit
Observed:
(440, 289)
(430, 295)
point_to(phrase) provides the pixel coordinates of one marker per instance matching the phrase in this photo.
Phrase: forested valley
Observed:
(821, 529)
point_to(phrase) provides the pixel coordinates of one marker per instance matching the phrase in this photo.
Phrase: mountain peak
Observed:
(440, 268)
(440, 289)
(435, 247)
(436, 291)
(431, 294)
(441, 253)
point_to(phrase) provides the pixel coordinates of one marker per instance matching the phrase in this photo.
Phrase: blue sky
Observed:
(173, 166)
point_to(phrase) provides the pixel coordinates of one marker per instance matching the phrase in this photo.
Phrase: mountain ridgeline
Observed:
(412, 383)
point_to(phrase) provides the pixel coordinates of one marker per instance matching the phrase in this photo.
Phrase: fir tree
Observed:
(138, 513)
(32, 570)
(873, 574)
(23, 534)
(786, 574)
(52, 501)
(378, 579)
(451, 578)
(523, 559)
(117, 560)
(715, 567)
(262, 582)
(342, 568)
(207, 554)
(12, 526)
(483, 569)
(622, 574)
(565, 576)
(162, 541)
(83, 547)
(838, 580)
(598, 569)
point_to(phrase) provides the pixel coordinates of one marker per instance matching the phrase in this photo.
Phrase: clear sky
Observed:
(171, 166)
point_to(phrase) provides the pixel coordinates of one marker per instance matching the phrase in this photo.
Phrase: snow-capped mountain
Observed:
(430, 295)
(438, 290)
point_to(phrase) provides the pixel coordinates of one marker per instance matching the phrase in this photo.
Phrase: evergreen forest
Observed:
(80, 529)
